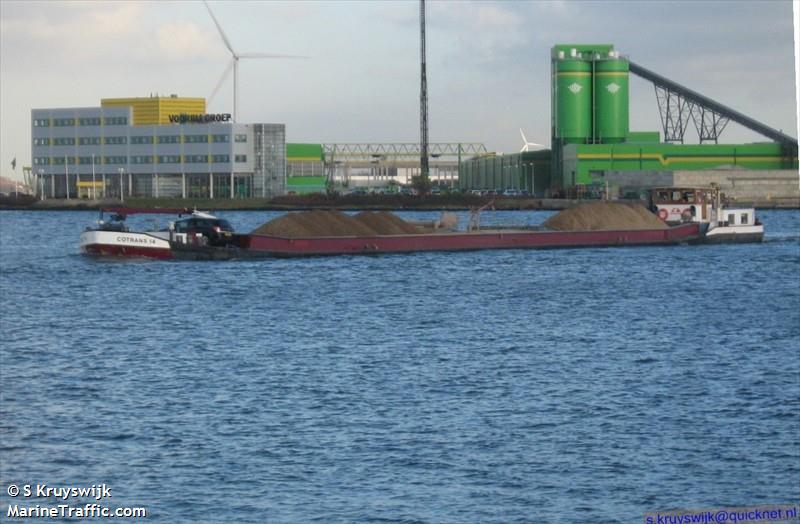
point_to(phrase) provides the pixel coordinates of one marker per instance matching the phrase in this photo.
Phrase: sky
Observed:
(488, 62)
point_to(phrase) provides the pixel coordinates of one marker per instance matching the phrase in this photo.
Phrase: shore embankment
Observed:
(342, 203)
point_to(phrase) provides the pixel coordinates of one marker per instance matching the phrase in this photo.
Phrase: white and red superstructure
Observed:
(677, 205)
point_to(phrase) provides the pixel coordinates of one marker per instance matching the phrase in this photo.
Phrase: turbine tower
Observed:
(234, 63)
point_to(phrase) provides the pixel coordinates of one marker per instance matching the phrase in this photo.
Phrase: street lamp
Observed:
(94, 183)
(41, 182)
(66, 174)
(121, 170)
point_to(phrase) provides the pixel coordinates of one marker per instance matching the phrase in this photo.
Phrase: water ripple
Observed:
(506, 386)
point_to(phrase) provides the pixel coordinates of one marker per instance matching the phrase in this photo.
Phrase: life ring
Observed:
(663, 214)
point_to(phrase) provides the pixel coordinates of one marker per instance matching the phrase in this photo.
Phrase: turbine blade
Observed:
(269, 55)
(219, 27)
(524, 140)
(221, 81)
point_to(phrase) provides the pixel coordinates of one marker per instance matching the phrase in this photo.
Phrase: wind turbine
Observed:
(527, 145)
(234, 63)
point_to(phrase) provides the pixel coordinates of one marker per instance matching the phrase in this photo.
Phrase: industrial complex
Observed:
(171, 147)
(593, 147)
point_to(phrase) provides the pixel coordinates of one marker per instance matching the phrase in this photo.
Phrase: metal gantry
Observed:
(675, 111)
(709, 123)
(384, 158)
(399, 151)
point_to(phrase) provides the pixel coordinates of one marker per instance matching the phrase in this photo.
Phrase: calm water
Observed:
(508, 386)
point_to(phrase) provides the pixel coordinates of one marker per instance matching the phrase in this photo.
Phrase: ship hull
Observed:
(262, 245)
(124, 244)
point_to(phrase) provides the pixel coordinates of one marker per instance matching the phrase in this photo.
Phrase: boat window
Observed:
(662, 196)
(676, 196)
(745, 218)
(224, 225)
(688, 197)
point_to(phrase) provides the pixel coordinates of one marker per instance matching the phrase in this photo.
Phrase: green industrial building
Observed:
(528, 171)
(590, 131)
(305, 169)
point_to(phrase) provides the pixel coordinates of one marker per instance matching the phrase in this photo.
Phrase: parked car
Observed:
(436, 191)
(525, 193)
(511, 192)
(476, 192)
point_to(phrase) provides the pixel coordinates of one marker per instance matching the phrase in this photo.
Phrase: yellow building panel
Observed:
(156, 110)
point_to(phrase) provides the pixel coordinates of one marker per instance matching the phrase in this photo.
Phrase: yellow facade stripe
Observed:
(156, 110)
(573, 73)
(611, 73)
(667, 161)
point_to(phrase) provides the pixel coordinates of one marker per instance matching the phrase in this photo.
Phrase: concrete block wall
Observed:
(767, 188)
(762, 188)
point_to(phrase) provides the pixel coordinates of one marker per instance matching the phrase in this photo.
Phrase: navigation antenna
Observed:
(423, 99)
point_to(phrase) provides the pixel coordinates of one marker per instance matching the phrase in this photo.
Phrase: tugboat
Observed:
(113, 237)
(719, 223)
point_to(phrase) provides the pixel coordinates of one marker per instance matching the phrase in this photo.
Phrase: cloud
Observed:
(183, 40)
(108, 33)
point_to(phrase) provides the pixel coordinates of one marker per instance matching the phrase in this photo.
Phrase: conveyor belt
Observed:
(697, 98)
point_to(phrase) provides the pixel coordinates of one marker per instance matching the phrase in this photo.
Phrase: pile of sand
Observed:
(319, 223)
(385, 223)
(605, 216)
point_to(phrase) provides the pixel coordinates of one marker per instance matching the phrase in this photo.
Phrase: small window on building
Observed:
(241, 138)
(115, 120)
(241, 158)
(731, 219)
(745, 218)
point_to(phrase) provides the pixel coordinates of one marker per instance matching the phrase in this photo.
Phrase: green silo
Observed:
(611, 100)
(573, 100)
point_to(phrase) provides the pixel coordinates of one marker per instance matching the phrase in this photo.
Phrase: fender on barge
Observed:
(253, 245)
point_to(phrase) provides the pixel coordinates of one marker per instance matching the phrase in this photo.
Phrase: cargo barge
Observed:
(201, 236)
(271, 246)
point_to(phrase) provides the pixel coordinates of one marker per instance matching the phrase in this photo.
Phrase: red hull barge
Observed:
(270, 246)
